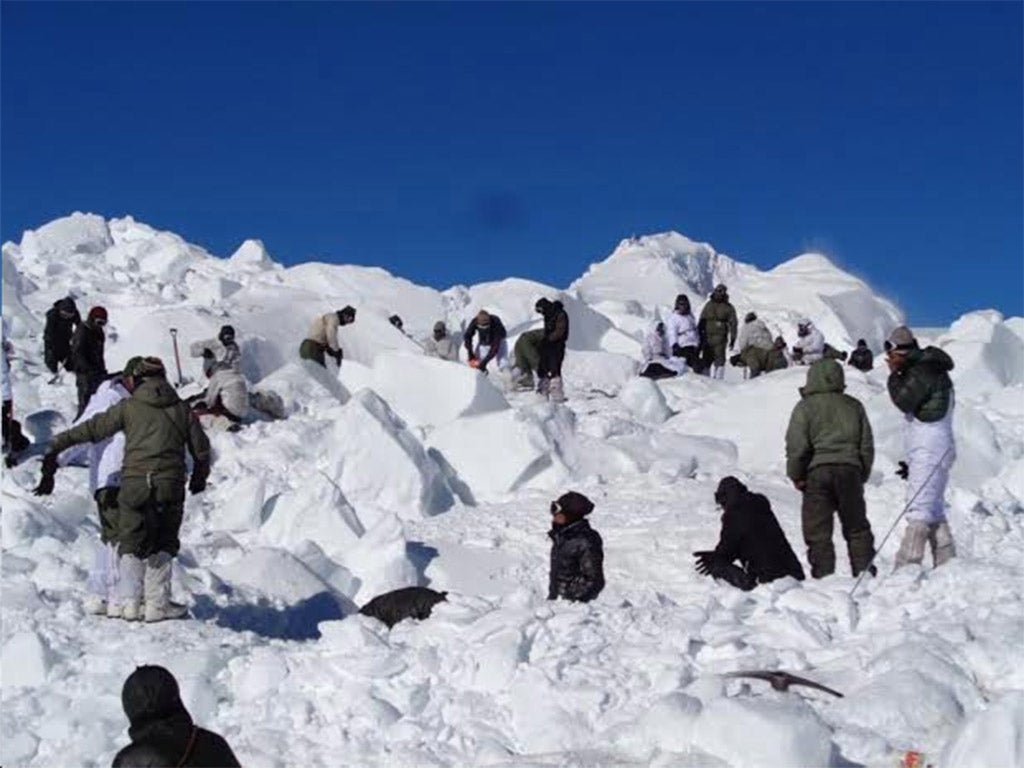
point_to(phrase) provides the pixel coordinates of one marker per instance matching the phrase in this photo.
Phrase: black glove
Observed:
(705, 562)
(677, 351)
(45, 487)
(197, 483)
(732, 345)
(483, 367)
(207, 353)
(337, 356)
(903, 471)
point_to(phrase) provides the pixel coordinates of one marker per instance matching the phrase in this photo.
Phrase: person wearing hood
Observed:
(577, 552)
(158, 428)
(681, 335)
(62, 319)
(829, 453)
(441, 344)
(718, 327)
(322, 338)
(104, 459)
(552, 348)
(809, 347)
(750, 534)
(161, 729)
(658, 363)
(400, 604)
(861, 358)
(220, 354)
(920, 387)
(490, 344)
(86, 357)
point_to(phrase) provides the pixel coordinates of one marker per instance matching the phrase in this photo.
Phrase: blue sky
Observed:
(454, 143)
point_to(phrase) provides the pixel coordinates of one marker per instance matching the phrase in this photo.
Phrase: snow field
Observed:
(408, 470)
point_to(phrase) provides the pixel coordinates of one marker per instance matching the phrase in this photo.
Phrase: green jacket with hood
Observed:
(922, 388)
(158, 427)
(827, 426)
(719, 321)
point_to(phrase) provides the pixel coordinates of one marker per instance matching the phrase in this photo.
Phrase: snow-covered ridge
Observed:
(406, 469)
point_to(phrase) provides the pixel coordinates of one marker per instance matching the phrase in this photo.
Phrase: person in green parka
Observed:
(717, 327)
(830, 449)
(158, 428)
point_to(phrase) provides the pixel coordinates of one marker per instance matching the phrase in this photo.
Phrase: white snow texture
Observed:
(402, 469)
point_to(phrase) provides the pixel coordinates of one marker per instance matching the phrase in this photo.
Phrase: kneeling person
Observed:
(750, 534)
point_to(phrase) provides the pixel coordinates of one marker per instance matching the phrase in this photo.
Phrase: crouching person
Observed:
(226, 395)
(161, 729)
(104, 458)
(406, 603)
(750, 534)
(577, 553)
(158, 428)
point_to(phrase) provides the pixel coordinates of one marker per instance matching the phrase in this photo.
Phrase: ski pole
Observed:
(177, 357)
(896, 522)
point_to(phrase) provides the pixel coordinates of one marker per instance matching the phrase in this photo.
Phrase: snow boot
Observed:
(717, 371)
(95, 605)
(911, 550)
(130, 584)
(542, 386)
(522, 381)
(114, 610)
(158, 590)
(555, 392)
(941, 541)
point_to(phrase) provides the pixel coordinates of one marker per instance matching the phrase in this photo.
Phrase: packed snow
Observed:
(401, 470)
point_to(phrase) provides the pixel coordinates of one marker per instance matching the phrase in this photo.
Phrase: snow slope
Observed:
(406, 470)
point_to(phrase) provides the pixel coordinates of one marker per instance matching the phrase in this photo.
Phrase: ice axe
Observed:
(177, 357)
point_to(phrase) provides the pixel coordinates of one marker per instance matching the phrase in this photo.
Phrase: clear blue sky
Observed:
(463, 142)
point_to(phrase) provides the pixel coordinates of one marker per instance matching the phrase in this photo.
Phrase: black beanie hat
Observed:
(730, 490)
(573, 505)
(227, 333)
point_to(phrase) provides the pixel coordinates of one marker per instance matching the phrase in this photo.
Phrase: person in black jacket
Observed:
(87, 356)
(61, 321)
(577, 553)
(160, 724)
(750, 534)
(861, 358)
(406, 603)
(491, 341)
(552, 348)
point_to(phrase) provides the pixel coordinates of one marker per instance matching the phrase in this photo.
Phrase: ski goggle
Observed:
(555, 508)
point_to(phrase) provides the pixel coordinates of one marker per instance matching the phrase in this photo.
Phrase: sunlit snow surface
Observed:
(412, 470)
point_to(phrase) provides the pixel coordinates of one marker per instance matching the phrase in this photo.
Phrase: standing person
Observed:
(751, 534)
(829, 453)
(161, 727)
(920, 387)
(682, 336)
(5, 385)
(62, 319)
(861, 358)
(657, 362)
(441, 344)
(158, 429)
(718, 319)
(322, 338)
(87, 355)
(809, 347)
(577, 553)
(491, 341)
(104, 458)
(552, 348)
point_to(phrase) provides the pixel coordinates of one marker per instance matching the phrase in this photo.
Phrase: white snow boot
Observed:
(522, 381)
(911, 550)
(718, 372)
(95, 605)
(158, 590)
(555, 392)
(133, 572)
(542, 386)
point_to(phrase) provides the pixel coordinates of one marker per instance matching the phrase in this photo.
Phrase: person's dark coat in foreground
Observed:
(577, 552)
(405, 603)
(750, 534)
(162, 728)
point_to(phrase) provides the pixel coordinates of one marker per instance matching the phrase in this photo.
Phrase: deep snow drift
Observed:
(405, 470)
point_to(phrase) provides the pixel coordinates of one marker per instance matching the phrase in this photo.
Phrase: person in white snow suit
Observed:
(920, 387)
(441, 344)
(658, 361)
(681, 335)
(754, 333)
(322, 338)
(227, 394)
(104, 459)
(491, 343)
(810, 344)
(222, 353)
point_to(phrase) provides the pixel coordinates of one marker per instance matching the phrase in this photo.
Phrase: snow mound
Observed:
(252, 254)
(993, 736)
(26, 660)
(645, 400)
(78, 233)
(987, 353)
